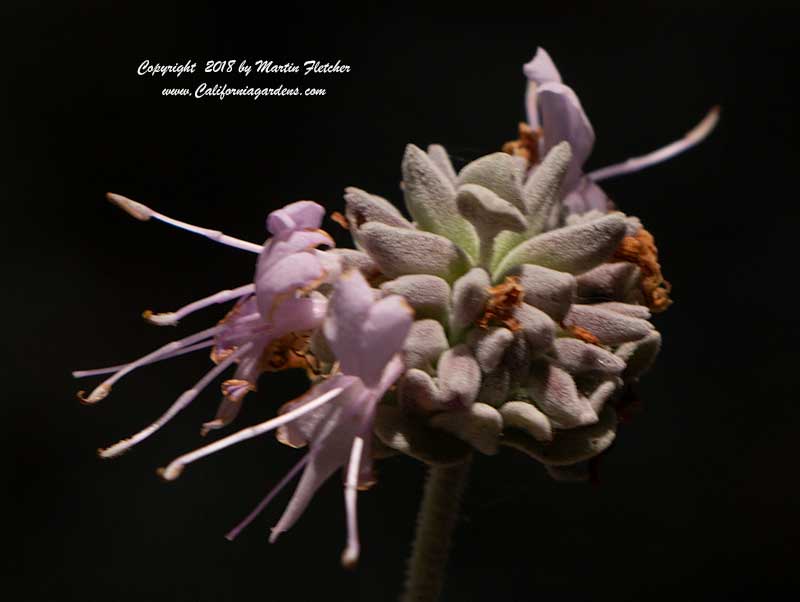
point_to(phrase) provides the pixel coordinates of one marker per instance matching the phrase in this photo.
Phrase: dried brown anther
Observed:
(527, 145)
(499, 308)
(340, 219)
(583, 334)
(641, 250)
(290, 351)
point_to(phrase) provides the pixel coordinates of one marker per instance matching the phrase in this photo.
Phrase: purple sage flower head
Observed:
(510, 307)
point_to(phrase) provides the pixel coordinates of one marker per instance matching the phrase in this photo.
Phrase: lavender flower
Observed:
(280, 302)
(555, 115)
(336, 416)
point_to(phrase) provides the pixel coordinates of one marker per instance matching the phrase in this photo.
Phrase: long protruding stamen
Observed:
(351, 552)
(233, 533)
(174, 469)
(144, 213)
(110, 369)
(100, 371)
(104, 388)
(172, 318)
(694, 136)
(184, 400)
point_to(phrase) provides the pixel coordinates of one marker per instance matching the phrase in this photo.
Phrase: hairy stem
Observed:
(438, 515)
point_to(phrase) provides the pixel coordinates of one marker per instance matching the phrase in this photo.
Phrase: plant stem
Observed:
(437, 518)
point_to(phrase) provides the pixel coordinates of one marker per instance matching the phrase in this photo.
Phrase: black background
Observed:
(697, 499)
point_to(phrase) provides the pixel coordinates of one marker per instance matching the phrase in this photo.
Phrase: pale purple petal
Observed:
(330, 430)
(349, 307)
(290, 274)
(366, 335)
(233, 533)
(313, 426)
(391, 372)
(295, 216)
(298, 314)
(383, 335)
(288, 243)
(247, 372)
(343, 420)
(238, 325)
(299, 432)
(586, 196)
(563, 118)
(244, 324)
(541, 69)
(294, 314)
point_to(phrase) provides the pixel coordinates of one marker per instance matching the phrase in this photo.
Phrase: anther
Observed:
(137, 210)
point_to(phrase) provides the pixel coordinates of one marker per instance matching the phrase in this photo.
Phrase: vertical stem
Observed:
(438, 515)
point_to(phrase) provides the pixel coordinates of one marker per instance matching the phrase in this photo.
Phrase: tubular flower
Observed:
(555, 115)
(281, 301)
(335, 418)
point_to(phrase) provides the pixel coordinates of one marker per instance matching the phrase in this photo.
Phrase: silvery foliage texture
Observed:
(517, 376)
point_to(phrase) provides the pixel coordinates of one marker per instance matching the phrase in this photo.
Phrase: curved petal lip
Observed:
(295, 216)
(563, 118)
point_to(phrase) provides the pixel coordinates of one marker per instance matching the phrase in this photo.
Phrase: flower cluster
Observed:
(511, 309)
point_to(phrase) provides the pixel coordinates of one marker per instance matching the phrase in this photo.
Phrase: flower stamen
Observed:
(144, 213)
(172, 318)
(173, 469)
(233, 533)
(351, 552)
(694, 136)
(110, 369)
(104, 388)
(184, 400)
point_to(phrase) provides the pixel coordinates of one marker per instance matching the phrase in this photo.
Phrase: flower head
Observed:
(511, 308)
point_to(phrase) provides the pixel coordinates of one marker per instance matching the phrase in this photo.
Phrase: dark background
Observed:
(697, 499)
